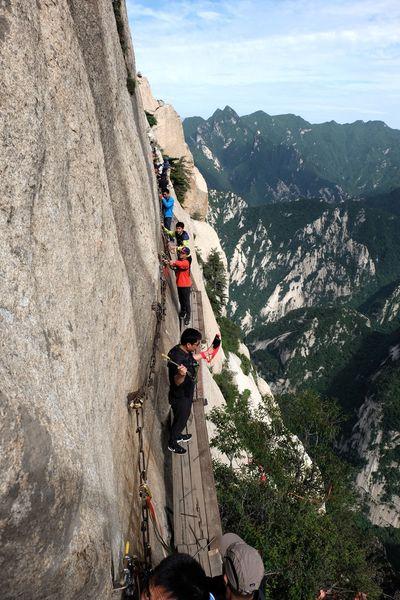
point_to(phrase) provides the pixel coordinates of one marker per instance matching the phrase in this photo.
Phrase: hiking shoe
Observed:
(186, 320)
(185, 437)
(176, 448)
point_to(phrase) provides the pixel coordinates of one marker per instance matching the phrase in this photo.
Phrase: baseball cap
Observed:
(222, 542)
(244, 567)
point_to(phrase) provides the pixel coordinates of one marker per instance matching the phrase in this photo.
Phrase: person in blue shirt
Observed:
(167, 208)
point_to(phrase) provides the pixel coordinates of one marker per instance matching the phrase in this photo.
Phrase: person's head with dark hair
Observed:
(165, 193)
(179, 227)
(190, 336)
(177, 577)
(184, 252)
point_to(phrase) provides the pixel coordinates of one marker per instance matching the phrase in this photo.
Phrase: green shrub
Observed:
(216, 282)
(131, 84)
(180, 177)
(245, 364)
(302, 548)
(231, 334)
(151, 119)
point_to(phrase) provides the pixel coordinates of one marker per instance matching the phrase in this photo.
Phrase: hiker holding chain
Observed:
(179, 236)
(182, 367)
(183, 281)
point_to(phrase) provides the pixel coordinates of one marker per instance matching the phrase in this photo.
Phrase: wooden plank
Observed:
(215, 562)
(177, 495)
(196, 522)
(198, 496)
(187, 505)
(209, 490)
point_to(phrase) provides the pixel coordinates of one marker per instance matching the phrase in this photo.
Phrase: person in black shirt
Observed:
(182, 380)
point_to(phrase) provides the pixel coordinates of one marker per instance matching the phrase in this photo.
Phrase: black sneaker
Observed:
(187, 320)
(185, 437)
(176, 448)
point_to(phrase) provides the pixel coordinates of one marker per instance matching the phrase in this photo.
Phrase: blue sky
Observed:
(321, 59)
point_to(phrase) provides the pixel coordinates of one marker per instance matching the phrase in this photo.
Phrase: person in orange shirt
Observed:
(183, 282)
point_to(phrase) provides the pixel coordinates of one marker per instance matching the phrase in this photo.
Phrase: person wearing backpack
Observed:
(179, 236)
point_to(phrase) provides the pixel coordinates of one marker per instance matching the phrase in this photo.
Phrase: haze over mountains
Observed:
(279, 158)
(309, 217)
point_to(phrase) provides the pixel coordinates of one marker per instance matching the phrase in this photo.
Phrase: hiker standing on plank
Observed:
(183, 281)
(167, 208)
(179, 236)
(182, 379)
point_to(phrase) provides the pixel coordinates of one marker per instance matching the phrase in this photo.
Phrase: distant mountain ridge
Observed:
(309, 253)
(267, 159)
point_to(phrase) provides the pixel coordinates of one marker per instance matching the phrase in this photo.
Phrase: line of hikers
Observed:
(180, 576)
(182, 363)
(182, 265)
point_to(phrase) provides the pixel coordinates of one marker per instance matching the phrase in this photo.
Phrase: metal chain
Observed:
(136, 401)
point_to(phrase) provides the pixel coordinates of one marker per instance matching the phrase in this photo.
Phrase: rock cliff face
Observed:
(375, 438)
(303, 254)
(79, 226)
(169, 134)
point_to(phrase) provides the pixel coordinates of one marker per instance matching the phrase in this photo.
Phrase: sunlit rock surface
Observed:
(169, 135)
(79, 273)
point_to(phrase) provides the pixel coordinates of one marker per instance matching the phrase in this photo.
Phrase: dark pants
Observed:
(184, 301)
(164, 181)
(181, 408)
(167, 222)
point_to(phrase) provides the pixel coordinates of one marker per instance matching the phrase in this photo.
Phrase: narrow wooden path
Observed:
(196, 514)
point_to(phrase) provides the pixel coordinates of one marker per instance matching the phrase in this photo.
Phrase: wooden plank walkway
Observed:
(196, 514)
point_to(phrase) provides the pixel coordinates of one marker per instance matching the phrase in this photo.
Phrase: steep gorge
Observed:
(80, 272)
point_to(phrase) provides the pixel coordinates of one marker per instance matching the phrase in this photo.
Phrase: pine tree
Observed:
(216, 282)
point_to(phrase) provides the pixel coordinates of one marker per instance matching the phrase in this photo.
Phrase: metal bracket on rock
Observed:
(135, 399)
(159, 309)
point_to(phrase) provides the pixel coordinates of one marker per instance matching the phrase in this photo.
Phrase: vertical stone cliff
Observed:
(79, 273)
(79, 229)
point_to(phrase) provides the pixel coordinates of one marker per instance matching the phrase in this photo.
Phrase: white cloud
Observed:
(339, 49)
(209, 15)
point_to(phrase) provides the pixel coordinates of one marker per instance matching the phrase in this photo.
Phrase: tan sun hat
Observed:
(243, 567)
(222, 542)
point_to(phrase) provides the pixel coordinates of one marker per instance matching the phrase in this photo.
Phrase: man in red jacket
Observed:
(183, 281)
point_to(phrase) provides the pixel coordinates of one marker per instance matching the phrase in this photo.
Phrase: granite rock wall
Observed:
(79, 235)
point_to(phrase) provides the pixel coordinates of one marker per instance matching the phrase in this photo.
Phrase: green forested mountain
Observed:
(308, 253)
(309, 218)
(280, 158)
